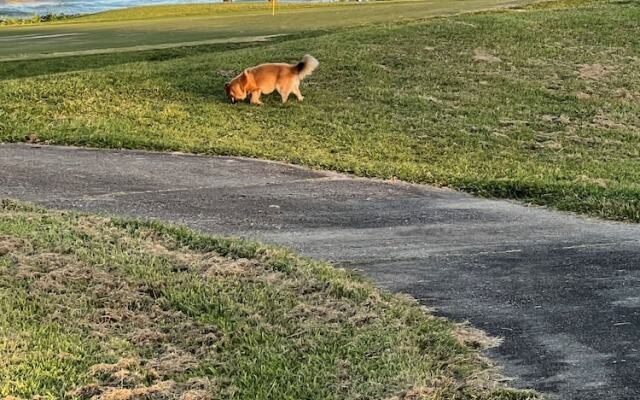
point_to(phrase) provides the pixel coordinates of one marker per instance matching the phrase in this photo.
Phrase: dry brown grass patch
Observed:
(594, 71)
(215, 266)
(9, 245)
(469, 336)
(603, 121)
(173, 361)
(145, 337)
(159, 391)
(480, 55)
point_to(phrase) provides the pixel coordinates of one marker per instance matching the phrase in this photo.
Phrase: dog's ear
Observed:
(243, 78)
(248, 79)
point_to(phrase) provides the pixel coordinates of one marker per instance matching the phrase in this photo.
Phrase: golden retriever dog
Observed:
(265, 78)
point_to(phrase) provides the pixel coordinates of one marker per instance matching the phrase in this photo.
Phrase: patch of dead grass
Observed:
(195, 395)
(626, 94)
(118, 307)
(158, 391)
(603, 121)
(600, 182)
(155, 348)
(145, 337)
(469, 336)
(173, 361)
(218, 266)
(558, 119)
(480, 55)
(440, 389)
(595, 71)
(9, 245)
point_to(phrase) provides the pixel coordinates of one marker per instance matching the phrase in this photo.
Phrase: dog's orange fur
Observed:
(265, 78)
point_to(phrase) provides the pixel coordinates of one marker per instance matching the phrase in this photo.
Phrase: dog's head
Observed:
(237, 89)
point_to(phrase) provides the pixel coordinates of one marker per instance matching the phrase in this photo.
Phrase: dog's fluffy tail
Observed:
(307, 66)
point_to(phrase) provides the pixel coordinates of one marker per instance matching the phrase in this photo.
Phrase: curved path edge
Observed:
(562, 290)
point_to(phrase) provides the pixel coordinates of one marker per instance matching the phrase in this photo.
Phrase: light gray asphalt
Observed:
(564, 291)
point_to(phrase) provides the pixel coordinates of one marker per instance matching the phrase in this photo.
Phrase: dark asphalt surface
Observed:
(563, 291)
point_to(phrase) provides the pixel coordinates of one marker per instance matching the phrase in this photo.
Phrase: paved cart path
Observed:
(564, 291)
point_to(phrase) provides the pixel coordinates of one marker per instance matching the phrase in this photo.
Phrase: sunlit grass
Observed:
(121, 309)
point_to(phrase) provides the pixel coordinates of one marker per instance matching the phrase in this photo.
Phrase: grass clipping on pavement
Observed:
(95, 308)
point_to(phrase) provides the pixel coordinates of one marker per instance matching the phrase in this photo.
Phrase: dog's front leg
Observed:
(255, 98)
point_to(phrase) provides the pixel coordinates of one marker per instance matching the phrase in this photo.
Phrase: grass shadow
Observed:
(48, 66)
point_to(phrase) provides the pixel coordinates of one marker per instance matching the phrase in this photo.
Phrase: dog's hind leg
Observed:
(255, 98)
(285, 91)
(285, 95)
(296, 91)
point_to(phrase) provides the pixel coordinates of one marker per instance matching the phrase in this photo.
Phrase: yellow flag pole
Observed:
(273, 5)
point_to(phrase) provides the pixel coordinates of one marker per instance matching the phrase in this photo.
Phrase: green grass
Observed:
(556, 121)
(177, 25)
(116, 308)
(172, 11)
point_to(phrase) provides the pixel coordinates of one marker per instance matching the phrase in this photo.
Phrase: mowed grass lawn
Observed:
(113, 309)
(176, 25)
(539, 104)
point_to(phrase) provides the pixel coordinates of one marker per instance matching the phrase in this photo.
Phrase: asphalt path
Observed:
(562, 290)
